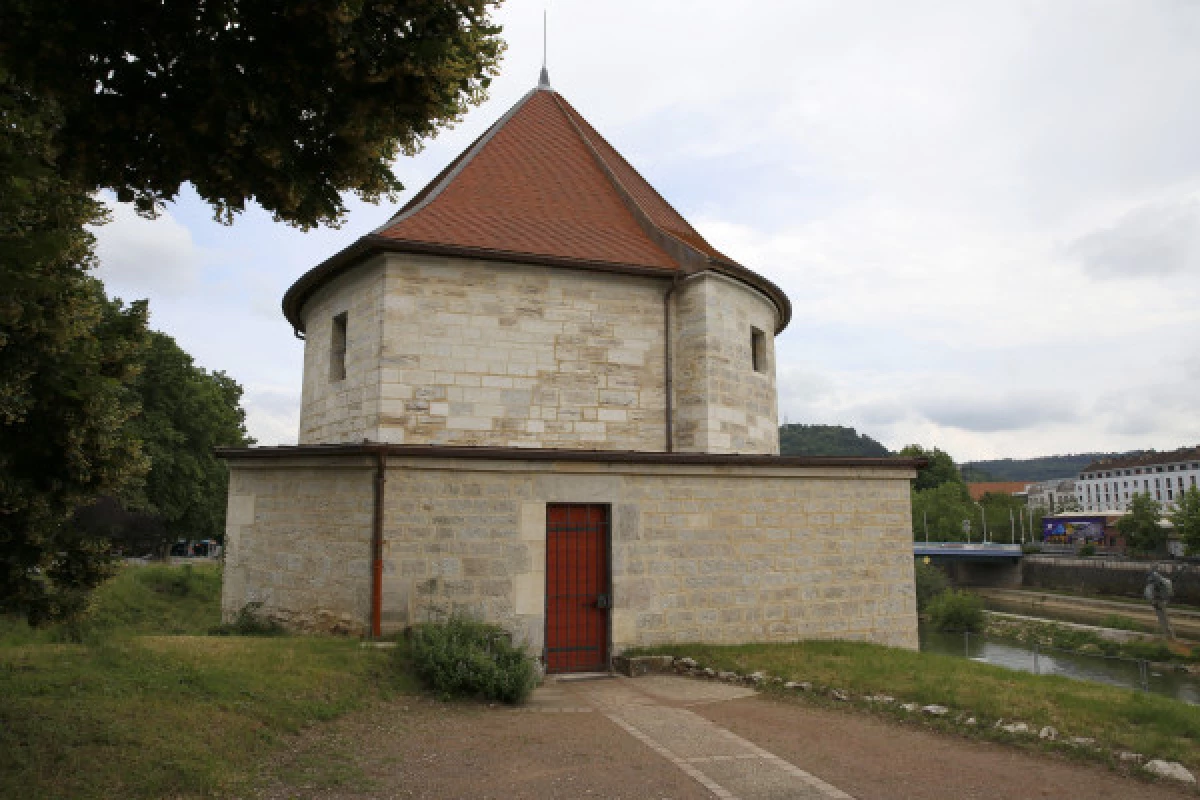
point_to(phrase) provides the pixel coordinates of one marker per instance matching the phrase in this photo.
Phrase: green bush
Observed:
(1031, 549)
(1120, 623)
(1088, 549)
(1151, 651)
(248, 622)
(462, 657)
(956, 611)
(931, 582)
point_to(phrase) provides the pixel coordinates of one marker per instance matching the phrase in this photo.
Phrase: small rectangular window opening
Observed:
(337, 349)
(758, 350)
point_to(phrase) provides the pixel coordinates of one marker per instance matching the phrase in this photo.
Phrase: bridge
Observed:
(974, 563)
(966, 551)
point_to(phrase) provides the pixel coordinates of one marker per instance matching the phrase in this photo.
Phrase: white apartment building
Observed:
(1110, 484)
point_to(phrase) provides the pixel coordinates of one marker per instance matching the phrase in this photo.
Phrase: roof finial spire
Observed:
(544, 79)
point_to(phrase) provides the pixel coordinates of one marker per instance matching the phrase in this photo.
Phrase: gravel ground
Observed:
(426, 749)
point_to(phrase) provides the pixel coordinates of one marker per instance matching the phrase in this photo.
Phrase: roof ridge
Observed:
(640, 213)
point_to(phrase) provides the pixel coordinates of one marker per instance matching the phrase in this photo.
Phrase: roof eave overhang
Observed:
(548, 454)
(299, 293)
(366, 247)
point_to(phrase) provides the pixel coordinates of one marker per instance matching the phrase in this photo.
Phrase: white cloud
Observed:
(272, 413)
(146, 255)
(945, 191)
(1151, 240)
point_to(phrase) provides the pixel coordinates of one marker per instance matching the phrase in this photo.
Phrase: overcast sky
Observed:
(987, 215)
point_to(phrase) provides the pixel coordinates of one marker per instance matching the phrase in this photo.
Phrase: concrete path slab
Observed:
(654, 710)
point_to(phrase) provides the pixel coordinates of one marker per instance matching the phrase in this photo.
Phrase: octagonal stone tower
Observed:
(539, 293)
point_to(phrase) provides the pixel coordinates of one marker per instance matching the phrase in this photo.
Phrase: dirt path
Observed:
(873, 758)
(665, 737)
(424, 749)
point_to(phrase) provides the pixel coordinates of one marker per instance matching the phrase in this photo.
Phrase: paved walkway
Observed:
(656, 711)
(665, 738)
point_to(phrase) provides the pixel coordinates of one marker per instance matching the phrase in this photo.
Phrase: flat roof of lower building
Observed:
(550, 454)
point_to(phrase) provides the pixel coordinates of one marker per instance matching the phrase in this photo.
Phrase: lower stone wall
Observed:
(298, 542)
(698, 553)
(1097, 576)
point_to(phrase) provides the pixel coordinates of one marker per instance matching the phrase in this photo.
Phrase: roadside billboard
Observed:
(1075, 530)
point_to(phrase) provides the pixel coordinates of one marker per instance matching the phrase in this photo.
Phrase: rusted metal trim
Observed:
(381, 455)
(544, 454)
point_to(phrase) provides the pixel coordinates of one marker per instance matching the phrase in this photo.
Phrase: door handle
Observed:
(602, 601)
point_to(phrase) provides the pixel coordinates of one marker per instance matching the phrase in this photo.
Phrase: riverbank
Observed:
(1081, 719)
(1129, 615)
(1088, 639)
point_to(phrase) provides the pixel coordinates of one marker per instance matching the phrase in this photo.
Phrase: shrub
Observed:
(1088, 549)
(930, 581)
(1029, 548)
(1120, 623)
(467, 658)
(956, 611)
(1151, 651)
(248, 622)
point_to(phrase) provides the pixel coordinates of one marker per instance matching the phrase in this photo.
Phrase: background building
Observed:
(1011, 488)
(1110, 484)
(1056, 495)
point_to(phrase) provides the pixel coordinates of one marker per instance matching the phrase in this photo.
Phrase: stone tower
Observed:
(539, 293)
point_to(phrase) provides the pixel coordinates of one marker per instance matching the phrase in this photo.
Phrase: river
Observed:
(1177, 685)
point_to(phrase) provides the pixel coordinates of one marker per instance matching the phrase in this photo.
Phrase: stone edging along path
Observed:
(1007, 730)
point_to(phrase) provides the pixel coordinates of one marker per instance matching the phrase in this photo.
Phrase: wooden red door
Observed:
(577, 587)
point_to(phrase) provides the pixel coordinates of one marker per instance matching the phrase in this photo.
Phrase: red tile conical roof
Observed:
(541, 186)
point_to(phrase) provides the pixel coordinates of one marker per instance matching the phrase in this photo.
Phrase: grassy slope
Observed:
(138, 600)
(152, 715)
(1117, 718)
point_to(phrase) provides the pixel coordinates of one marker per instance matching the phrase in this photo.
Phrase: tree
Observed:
(944, 507)
(186, 412)
(132, 533)
(1003, 513)
(286, 103)
(941, 469)
(67, 359)
(973, 474)
(1186, 519)
(1141, 527)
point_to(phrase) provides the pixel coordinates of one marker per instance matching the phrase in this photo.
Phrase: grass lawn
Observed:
(1117, 718)
(134, 711)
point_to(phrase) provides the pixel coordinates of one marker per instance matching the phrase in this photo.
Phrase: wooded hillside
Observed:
(827, 440)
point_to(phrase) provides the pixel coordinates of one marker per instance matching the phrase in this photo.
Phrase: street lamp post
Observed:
(982, 521)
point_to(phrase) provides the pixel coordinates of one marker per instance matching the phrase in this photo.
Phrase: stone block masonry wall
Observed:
(716, 554)
(345, 410)
(298, 541)
(722, 404)
(774, 558)
(479, 353)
